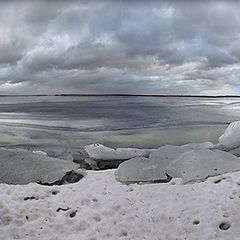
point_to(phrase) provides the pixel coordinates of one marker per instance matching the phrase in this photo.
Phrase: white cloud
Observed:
(130, 47)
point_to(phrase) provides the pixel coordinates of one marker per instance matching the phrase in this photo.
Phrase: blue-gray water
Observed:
(115, 121)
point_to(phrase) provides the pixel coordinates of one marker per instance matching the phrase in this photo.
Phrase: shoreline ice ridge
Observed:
(132, 164)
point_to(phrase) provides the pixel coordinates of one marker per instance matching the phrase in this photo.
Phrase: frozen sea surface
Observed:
(146, 122)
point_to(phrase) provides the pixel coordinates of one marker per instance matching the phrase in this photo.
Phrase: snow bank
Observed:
(20, 167)
(98, 207)
(202, 163)
(101, 152)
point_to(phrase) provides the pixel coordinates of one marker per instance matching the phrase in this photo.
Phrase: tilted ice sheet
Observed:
(199, 164)
(20, 167)
(99, 151)
(167, 154)
(140, 169)
(231, 137)
(154, 168)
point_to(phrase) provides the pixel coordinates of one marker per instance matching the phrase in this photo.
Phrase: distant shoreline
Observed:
(122, 95)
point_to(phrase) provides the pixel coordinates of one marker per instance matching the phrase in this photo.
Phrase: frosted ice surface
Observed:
(101, 152)
(140, 169)
(20, 167)
(198, 145)
(234, 151)
(167, 154)
(199, 164)
(231, 137)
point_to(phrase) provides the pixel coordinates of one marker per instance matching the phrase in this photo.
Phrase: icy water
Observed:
(146, 122)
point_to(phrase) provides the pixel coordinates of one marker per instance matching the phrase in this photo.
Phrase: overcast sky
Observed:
(161, 47)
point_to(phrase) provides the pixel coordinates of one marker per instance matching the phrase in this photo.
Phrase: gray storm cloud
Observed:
(160, 47)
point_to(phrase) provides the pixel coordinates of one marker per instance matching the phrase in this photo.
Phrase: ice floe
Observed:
(140, 169)
(99, 151)
(231, 137)
(154, 168)
(20, 166)
(168, 153)
(199, 164)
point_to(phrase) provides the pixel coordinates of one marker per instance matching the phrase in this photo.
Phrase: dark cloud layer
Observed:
(165, 47)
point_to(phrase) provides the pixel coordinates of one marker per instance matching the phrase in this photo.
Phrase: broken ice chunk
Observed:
(231, 137)
(199, 164)
(20, 166)
(140, 169)
(99, 151)
(167, 154)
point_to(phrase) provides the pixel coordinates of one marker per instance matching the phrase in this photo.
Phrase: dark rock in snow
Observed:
(69, 177)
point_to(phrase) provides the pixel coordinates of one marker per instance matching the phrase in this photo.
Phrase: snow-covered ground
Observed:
(99, 207)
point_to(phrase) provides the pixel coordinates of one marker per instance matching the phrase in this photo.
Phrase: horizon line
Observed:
(118, 94)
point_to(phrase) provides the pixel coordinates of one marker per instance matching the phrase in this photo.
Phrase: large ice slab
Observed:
(140, 169)
(21, 166)
(154, 168)
(231, 137)
(199, 164)
(165, 155)
(99, 151)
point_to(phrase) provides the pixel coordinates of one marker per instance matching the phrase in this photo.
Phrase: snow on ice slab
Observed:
(231, 137)
(140, 169)
(101, 152)
(201, 163)
(21, 167)
(39, 152)
(167, 154)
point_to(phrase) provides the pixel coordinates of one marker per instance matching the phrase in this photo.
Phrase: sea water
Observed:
(145, 122)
